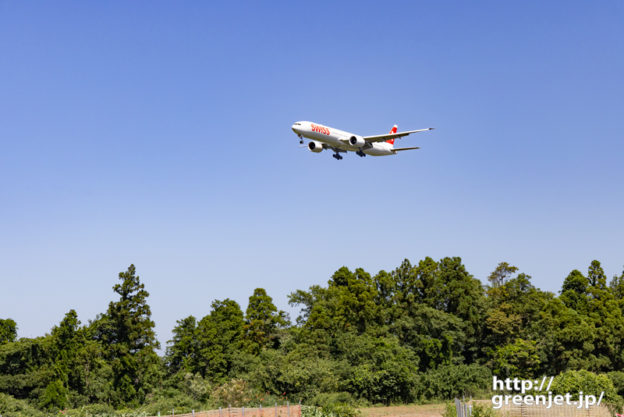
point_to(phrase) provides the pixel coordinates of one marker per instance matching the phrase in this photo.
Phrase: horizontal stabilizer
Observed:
(405, 149)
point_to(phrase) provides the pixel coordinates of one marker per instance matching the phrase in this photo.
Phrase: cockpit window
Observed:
(297, 124)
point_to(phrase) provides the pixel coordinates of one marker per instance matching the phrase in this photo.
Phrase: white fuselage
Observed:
(338, 140)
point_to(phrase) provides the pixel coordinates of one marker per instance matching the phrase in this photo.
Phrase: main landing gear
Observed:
(337, 156)
(360, 153)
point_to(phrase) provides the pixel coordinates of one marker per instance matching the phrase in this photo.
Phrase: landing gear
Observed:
(360, 153)
(337, 156)
(300, 140)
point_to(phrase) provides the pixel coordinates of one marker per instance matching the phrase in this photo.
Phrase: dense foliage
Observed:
(420, 332)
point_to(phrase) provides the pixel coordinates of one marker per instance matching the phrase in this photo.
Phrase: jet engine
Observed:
(357, 141)
(315, 146)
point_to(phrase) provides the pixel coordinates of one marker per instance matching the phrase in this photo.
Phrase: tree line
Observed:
(420, 332)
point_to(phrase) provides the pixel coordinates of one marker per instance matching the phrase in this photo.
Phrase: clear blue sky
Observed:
(159, 134)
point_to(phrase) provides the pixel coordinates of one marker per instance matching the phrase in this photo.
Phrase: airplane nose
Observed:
(294, 128)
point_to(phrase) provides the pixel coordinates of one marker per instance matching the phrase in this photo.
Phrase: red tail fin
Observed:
(393, 130)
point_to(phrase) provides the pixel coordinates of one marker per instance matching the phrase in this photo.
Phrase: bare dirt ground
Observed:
(425, 410)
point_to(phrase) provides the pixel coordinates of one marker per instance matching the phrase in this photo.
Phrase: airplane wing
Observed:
(405, 149)
(388, 136)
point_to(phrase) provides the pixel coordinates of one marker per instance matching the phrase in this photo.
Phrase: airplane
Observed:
(325, 137)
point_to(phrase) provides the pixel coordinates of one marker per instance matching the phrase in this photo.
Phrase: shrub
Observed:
(341, 410)
(10, 406)
(449, 410)
(196, 387)
(180, 403)
(617, 378)
(338, 404)
(55, 395)
(480, 410)
(235, 393)
(586, 381)
(298, 373)
(329, 411)
(591, 384)
(450, 381)
(332, 398)
(93, 410)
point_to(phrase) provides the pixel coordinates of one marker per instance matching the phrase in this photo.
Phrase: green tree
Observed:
(436, 337)
(514, 306)
(127, 331)
(351, 298)
(181, 354)
(91, 370)
(617, 286)
(262, 321)
(347, 304)
(462, 295)
(8, 330)
(574, 292)
(596, 275)
(25, 367)
(54, 396)
(219, 339)
(307, 301)
(599, 312)
(518, 359)
(566, 338)
(501, 273)
(423, 281)
(65, 343)
(380, 369)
